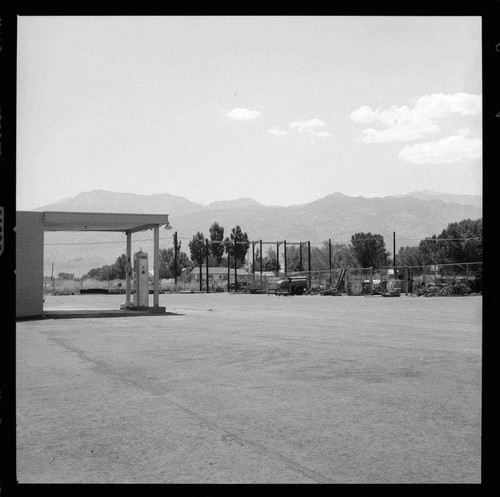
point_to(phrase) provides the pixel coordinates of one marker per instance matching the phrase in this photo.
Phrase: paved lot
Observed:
(252, 389)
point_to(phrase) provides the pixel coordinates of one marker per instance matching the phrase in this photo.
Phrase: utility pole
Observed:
(394, 253)
(200, 256)
(394, 249)
(260, 242)
(228, 270)
(175, 258)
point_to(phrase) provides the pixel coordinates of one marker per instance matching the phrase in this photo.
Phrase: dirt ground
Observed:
(252, 389)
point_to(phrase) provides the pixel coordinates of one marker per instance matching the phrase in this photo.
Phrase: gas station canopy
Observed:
(96, 221)
(30, 228)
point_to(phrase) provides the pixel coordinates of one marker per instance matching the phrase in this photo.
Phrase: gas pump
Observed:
(141, 279)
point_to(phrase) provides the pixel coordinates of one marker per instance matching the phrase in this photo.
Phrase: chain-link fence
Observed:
(442, 279)
(430, 280)
(464, 278)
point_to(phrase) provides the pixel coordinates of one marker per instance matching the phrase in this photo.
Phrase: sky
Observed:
(283, 110)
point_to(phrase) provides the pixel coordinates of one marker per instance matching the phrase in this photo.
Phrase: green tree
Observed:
(370, 250)
(343, 255)
(459, 242)
(166, 258)
(269, 261)
(464, 241)
(217, 249)
(182, 263)
(237, 246)
(320, 257)
(197, 245)
(167, 264)
(256, 267)
(107, 272)
(95, 273)
(292, 258)
(409, 256)
(431, 250)
(119, 269)
(65, 276)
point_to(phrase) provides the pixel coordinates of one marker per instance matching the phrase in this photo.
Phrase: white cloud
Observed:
(321, 133)
(451, 149)
(310, 127)
(277, 131)
(364, 114)
(302, 126)
(242, 114)
(411, 123)
(400, 132)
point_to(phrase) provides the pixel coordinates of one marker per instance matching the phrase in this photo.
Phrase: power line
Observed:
(99, 243)
(265, 242)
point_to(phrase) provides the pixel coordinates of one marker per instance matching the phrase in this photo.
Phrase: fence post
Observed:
(253, 258)
(309, 261)
(330, 258)
(284, 253)
(435, 274)
(277, 258)
(175, 258)
(201, 271)
(371, 281)
(235, 270)
(228, 272)
(260, 263)
(406, 280)
(206, 260)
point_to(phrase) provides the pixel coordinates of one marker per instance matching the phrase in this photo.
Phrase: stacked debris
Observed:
(314, 290)
(329, 291)
(456, 288)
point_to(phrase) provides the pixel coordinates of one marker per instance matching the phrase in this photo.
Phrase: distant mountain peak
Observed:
(336, 195)
(462, 199)
(335, 216)
(234, 204)
(100, 200)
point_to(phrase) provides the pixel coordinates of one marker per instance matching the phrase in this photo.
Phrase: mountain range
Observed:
(410, 217)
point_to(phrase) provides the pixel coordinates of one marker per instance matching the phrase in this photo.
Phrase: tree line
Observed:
(458, 243)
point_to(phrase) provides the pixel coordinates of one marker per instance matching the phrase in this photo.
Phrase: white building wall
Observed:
(29, 264)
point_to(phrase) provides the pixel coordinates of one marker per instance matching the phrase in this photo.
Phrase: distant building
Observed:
(267, 274)
(217, 274)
